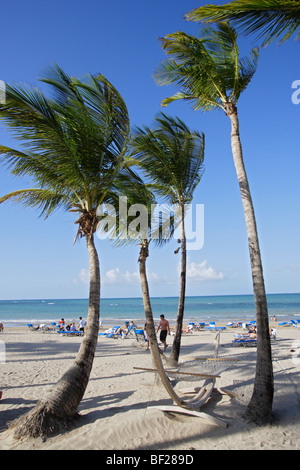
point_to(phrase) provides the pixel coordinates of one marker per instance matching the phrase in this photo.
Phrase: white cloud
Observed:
(201, 272)
(115, 276)
(111, 276)
(82, 278)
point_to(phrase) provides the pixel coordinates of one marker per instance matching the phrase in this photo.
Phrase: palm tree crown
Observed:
(267, 19)
(207, 69)
(73, 144)
(171, 156)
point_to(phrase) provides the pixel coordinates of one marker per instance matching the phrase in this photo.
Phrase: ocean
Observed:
(223, 308)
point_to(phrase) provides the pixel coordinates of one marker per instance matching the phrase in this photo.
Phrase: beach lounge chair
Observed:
(212, 326)
(31, 327)
(68, 332)
(128, 333)
(111, 332)
(71, 333)
(290, 323)
(140, 337)
(232, 325)
(244, 342)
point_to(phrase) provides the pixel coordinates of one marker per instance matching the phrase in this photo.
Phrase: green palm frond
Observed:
(44, 200)
(72, 144)
(171, 157)
(207, 70)
(268, 20)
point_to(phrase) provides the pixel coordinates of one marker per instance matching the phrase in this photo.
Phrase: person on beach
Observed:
(251, 334)
(165, 329)
(82, 324)
(146, 336)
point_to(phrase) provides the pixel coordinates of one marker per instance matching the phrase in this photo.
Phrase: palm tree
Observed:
(73, 150)
(211, 74)
(267, 19)
(172, 158)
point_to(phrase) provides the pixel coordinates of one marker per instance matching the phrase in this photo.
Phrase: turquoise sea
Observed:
(222, 308)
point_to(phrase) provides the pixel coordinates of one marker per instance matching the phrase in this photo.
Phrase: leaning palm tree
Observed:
(266, 19)
(171, 157)
(73, 148)
(146, 230)
(150, 230)
(212, 76)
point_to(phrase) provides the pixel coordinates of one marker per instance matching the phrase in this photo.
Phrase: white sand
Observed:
(115, 413)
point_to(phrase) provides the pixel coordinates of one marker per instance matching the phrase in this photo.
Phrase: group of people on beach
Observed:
(72, 326)
(163, 326)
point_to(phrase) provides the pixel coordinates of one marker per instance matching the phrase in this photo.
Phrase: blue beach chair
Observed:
(111, 332)
(140, 336)
(244, 342)
(212, 326)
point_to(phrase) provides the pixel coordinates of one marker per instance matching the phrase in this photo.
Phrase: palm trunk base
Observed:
(58, 410)
(259, 410)
(41, 422)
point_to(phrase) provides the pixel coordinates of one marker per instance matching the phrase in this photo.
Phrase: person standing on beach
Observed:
(82, 324)
(165, 329)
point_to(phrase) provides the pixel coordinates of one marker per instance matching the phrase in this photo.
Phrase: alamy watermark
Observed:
(162, 222)
(295, 350)
(2, 92)
(2, 352)
(296, 94)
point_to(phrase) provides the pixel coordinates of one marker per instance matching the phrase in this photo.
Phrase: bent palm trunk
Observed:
(144, 253)
(260, 407)
(179, 321)
(60, 407)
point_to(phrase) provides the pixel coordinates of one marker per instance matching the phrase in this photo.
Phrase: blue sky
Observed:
(120, 40)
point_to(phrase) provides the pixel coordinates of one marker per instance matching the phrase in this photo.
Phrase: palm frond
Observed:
(207, 70)
(268, 20)
(72, 144)
(170, 155)
(44, 200)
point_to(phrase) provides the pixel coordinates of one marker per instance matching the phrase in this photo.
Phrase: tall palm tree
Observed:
(267, 19)
(172, 158)
(211, 74)
(73, 150)
(151, 229)
(156, 231)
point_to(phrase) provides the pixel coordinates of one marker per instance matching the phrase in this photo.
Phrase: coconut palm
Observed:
(73, 148)
(146, 230)
(266, 19)
(172, 159)
(210, 74)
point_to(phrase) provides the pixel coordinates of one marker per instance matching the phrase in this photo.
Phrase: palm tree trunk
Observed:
(180, 313)
(156, 355)
(60, 407)
(259, 409)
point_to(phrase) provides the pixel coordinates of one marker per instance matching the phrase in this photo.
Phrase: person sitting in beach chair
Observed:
(249, 335)
(273, 333)
(188, 329)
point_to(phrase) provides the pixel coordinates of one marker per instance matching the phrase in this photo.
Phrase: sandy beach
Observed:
(118, 409)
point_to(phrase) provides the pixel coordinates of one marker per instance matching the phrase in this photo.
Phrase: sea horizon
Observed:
(114, 310)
